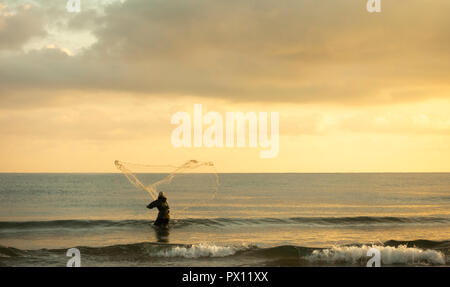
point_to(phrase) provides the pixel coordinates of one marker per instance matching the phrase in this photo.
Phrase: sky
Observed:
(355, 91)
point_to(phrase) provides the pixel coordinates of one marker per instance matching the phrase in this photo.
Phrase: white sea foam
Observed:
(389, 255)
(198, 250)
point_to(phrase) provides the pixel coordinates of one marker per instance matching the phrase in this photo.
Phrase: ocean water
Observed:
(253, 220)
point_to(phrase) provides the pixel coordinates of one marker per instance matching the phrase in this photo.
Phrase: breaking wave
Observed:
(411, 253)
(196, 251)
(389, 255)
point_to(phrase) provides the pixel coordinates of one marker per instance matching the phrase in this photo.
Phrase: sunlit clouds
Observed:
(355, 91)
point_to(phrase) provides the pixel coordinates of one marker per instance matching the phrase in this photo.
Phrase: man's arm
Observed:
(153, 204)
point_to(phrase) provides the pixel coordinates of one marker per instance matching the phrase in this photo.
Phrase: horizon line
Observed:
(265, 172)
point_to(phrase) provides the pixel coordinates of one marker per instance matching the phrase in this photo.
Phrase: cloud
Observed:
(93, 121)
(17, 28)
(294, 51)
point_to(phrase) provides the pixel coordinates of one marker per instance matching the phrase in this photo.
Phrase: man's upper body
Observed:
(162, 205)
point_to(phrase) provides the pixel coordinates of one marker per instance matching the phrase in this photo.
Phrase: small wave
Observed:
(215, 222)
(317, 221)
(373, 220)
(52, 224)
(421, 243)
(6, 252)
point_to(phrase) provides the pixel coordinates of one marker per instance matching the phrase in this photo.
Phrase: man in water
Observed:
(163, 208)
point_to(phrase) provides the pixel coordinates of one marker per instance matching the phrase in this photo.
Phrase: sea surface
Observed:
(252, 220)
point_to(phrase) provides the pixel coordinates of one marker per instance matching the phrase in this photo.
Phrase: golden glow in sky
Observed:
(355, 91)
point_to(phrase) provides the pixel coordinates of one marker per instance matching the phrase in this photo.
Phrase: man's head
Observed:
(161, 195)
